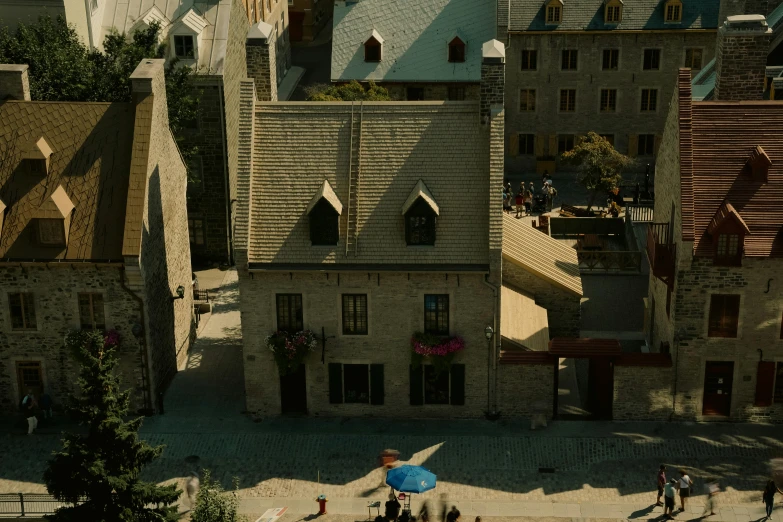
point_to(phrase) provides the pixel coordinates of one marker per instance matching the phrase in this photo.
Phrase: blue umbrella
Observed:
(411, 479)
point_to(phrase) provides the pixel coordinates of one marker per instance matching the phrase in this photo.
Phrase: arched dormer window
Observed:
(456, 50)
(373, 47)
(553, 12)
(421, 217)
(672, 11)
(324, 215)
(613, 11)
(728, 231)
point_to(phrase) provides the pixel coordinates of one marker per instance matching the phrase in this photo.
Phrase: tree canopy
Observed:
(353, 91)
(600, 165)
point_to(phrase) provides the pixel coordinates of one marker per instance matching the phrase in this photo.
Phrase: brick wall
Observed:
(546, 122)
(395, 312)
(262, 67)
(741, 61)
(642, 393)
(563, 308)
(55, 291)
(525, 390)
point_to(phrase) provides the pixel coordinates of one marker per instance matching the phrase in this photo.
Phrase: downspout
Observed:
(492, 404)
(677, 339)
(229, 232)
(88, 13)
(142, 345)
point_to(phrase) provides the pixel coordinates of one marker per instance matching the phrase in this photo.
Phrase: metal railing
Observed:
(23, 504)
(640, 213)
(609, 260)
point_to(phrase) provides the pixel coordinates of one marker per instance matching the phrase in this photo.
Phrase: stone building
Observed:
(93, 235)
(716, 249)
(308, 18)
(211, 38)
(418, 50)
(275, 14)
(83, 17)
(596, 65)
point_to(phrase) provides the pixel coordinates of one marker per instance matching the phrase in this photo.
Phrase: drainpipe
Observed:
(492, 404)
(142, 340)
(229, 232)
(677, 337)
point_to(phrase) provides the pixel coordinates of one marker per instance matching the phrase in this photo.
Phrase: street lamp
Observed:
(488, 331)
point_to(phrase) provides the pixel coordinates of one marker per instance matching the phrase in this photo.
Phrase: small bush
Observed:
(213, 504)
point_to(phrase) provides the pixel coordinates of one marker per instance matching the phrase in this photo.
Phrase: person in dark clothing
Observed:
(769, 497)
(392, 507)
(453, 515)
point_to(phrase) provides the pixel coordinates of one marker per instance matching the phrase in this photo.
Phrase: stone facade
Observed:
(741, 59)
(642, 393)
(262, 67)
(525, 390)
(308, 18)
(11, 85)
(627, 122)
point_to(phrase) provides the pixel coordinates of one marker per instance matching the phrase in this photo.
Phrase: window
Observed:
(724, 315)
(527, 143)
(436, 314)
(51, 232)
(611, 57)
(22, 309)
(195, 175)
(414, 93)
(649, 100)
(693, 58)
(372, 50)
(779, 383)
(436, 386)
(356, 383)
(430, 386)
(608, 100)
(36, 167)
(527, 100)
(652, 60)
(569, 59)
(91, 312)
(673, 11)
(196, 231)
(609, 138)
(646, 145)
(420, 224)
(456, 50)
(29, 376)
(183, 46)
(567, 100)
(529, 60)
(354, 314)
(565, 142)
(289, 312)
(324, 224)
(614, 13)
(728, 249)
(553, 14)
(456, 93)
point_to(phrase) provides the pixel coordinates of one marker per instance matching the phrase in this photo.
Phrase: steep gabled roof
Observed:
(56, 206)
(325, 192)
(420, 191)
(726, 212)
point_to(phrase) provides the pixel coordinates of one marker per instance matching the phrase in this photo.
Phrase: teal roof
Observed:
(775, 16)
(703, 83)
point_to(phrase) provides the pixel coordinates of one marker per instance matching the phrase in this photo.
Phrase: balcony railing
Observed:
(661, 252)
(641, 213)
(609, 260)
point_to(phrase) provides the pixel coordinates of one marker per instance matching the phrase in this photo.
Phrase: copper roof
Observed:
(88, 169)
(724, 135)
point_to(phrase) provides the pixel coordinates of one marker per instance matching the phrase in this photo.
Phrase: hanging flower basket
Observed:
(438, 351)
(290, 349)
(111, 339)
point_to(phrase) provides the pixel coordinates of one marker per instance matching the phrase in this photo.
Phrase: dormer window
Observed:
(51, 232)
(613, 13)
(183, 46)
(456, 50)
(673, 11)
(758, 164)
(185, 35)
(54, 219)
(36, 167)
(323, 212)
(728, 231)
(373, 47)
(554, 12)
(36, 157)
(421, 216)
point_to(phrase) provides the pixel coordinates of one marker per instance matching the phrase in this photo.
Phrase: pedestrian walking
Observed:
(669, 490)
(711, 490)
(453, 515)
(685, 488)
(30, 408)
(45, 404)
(191, 488)
(527, 197)
(443, 507)
(424, 513)
(661, 483)
(520, 200)
(392, 507)
(769, 497)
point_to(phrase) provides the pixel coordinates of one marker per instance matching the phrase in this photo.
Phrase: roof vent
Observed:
(758, 164)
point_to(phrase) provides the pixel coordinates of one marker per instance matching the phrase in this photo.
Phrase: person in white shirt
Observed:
(685, 484)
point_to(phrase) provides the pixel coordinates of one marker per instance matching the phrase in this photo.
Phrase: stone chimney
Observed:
(741, 58)
(262, 60)
(14, 82)
(493, 77)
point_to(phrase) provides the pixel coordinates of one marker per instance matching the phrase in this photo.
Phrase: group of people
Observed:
(684, 485)
(522, 202)
(392, 512)
(33, 406)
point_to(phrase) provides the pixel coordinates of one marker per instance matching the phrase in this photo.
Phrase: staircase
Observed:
(354, 171)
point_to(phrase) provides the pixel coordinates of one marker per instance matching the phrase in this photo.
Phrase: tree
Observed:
(353, 91)
(215, 505)
(103, 465)
(599, 164)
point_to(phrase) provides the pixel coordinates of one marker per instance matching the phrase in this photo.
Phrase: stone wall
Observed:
(395, 311)
(741, 61)
(262, 67)
(432, 91)
(642, 393)
(546, 122)
(14, 82)
(316, 16)
(55, 290)
(525, 390)
(563, 308)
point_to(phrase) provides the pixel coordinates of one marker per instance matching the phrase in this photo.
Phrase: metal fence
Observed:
(642, 213)
(24, 504)
(575, 226)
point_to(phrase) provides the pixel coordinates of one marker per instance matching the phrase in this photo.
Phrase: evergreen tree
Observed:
(102, 467)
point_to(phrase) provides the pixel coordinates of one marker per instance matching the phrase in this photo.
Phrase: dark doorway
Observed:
(415, 93)
(600, 388)
(293, 391)
(584, 388)
(718, 377)
(295, 25)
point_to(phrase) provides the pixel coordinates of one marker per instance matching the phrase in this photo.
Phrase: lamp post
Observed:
(488, 333)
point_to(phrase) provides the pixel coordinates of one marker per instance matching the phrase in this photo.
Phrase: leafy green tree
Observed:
(353, 91)
(103, 465)
(215, 505)
(600, 165)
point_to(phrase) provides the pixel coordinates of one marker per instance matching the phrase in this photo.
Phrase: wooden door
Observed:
(718, 377)
(293, 391)
(29, 377)
(295, 25)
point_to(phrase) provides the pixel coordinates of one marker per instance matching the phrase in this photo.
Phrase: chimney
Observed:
(493, 77)
(261, 60)
(14, 82)
(741, 58)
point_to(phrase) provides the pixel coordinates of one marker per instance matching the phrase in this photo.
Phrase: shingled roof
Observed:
(415, 37)
(588, 15)
(724, 135)
(91, 149)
